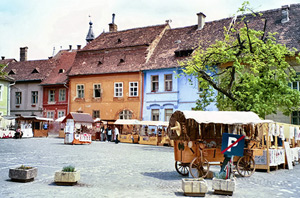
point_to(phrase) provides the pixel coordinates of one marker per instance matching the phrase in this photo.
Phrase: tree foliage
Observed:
(248, 70)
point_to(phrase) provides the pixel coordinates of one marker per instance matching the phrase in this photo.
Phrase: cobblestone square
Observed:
(119, 170)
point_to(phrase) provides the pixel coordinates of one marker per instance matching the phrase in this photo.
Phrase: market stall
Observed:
(33, 126)
(78, 129)
(7, 126)
(151, 132)
(129, 130)
(188, 128)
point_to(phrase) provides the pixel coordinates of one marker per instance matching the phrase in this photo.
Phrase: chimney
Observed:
(2, 57)
(78, 47)
(70, 47)
(23, 53)
(285, 13)
(201, 20)
(112, 26)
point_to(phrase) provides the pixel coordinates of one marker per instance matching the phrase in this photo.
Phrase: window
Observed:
(97, 90)
(62, 95)
(125, 114)
(154, 83)
(18, 98)
(34, 97)
(296, 117)
(155, 114)
(51, 95)
(295, 85)
(118, 89)
(133, 89)
(50, 114)
(168, 113)
(96, 114)
(80, 91)
(1, 92)
(61, 113)
(168, 82)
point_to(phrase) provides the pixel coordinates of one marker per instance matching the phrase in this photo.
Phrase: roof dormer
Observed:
(35, 71)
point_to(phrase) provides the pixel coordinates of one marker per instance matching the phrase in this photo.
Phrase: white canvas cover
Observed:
(154, 123)
(224, 117)
(127, 122)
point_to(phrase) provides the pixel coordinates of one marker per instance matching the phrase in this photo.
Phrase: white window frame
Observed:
(168, 82)
(62, 95)
(153, 87)
(18, 98)
(125, 115)
(118, 89)
(61, 113)
(50, 95)
(156, 113)
(49, 113)
(169, 114)
(80, 95)
(95, 88)
(34, 96)
(134, 88)
(1, 92)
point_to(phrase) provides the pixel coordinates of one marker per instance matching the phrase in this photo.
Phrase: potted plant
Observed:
(67, 176)
(23, 173)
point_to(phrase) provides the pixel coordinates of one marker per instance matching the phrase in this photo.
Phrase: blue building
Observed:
(165, 92)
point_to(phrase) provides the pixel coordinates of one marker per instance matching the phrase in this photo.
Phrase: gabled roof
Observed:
(23, 71)
(7, 61)
(126, 38)
(58, 75)
(79, 117)
(115, 52)
(188, 38)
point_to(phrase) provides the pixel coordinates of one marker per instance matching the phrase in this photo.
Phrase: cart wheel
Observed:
(201, 166)
(246, 166)
(182, 168)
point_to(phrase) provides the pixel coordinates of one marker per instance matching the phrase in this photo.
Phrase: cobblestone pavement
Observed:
(119, 170)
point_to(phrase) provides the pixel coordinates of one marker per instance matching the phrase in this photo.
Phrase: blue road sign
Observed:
(233, 144)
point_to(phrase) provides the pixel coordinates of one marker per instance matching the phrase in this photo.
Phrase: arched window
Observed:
(125, 114)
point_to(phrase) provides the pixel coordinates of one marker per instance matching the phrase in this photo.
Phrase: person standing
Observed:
(116, 134)
(102, 133)
(109, 133)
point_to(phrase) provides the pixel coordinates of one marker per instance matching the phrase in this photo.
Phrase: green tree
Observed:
(247, 69)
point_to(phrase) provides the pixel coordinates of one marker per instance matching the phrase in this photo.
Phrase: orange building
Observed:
(106, 79)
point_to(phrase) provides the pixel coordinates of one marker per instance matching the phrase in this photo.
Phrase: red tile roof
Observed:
(126, 38)
(7, 61)
(189, 37)
(113, 52)
(58, 75)
(26, 70)
(79, 117)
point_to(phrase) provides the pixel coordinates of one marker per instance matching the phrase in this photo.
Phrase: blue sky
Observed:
(42, 25)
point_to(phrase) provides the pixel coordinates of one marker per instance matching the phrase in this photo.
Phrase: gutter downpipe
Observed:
(68, 104)
(8, 97)
(142, 95)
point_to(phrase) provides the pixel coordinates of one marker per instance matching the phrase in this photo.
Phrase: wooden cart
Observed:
(198, 138)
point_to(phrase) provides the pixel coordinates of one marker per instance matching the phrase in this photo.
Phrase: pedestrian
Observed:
(108, 133)
(102, 133)
(116, 130)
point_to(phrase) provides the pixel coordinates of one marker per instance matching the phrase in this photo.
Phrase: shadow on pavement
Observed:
(173, 175)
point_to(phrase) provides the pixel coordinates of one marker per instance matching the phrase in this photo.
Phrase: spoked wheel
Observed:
(199, 168)
(246, 166)
(182, 168)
